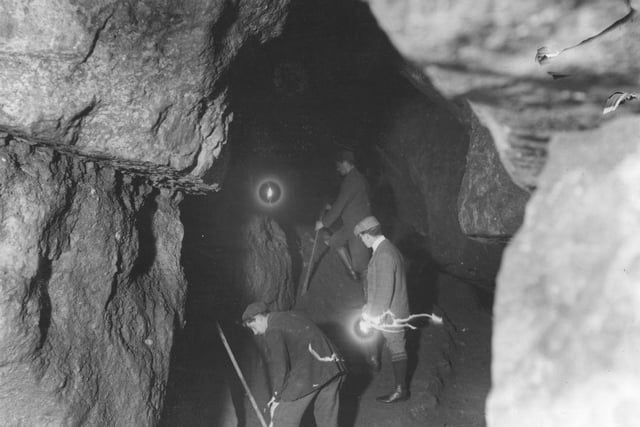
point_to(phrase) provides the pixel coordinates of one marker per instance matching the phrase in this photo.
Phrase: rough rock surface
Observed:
(490, 205)
(484, 51)
(91, 289)
(107, 108)
(138, 81)
(424, 155)
(567, 330)
(265, 270)
(566, 326)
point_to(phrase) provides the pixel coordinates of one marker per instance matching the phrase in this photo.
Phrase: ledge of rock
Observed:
(138, 82)
(485, 51)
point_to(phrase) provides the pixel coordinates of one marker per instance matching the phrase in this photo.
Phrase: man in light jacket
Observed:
(386, 299)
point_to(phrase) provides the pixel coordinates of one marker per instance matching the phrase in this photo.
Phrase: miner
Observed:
(351, 205)
(386, 301)
(304, 366)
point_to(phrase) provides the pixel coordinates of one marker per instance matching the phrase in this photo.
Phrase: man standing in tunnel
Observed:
(351, 205)
(386, 300)
(304, 366)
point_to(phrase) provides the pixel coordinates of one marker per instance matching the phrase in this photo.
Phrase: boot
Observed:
(346, 260)
(400, 393)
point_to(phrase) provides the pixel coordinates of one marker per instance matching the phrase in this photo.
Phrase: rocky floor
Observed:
(449, 364)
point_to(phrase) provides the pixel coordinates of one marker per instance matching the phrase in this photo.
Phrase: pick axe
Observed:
(305, 284)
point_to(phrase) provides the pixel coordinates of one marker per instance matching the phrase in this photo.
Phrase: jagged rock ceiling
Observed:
(136, 83)
(485, 50)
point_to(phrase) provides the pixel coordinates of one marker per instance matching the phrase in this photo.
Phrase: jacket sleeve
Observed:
(346, 193)
(277, 361)
(381, 292)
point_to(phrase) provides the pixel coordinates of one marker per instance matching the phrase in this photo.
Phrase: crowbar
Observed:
(242, 380)
(305, 284)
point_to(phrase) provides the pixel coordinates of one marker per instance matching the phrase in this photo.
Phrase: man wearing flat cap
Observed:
(386, 299)
(351, 205)
(304, 366)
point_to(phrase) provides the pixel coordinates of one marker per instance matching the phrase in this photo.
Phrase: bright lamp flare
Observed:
(363, 329)
(360, 331)
(270, 192)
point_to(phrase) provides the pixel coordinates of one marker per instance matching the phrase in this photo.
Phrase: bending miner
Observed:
(304, 366)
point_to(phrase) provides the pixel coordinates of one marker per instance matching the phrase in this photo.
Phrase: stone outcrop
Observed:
(265, 270)
(566, 330)
(424, 151)
(135, 81)
(91, 289)
(490, 204)
(485, 51)
(108, 110)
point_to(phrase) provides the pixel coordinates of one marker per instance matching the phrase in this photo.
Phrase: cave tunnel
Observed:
(164, 164)
(331, 81)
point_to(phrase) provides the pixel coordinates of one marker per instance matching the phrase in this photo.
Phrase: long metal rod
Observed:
(305, 285)
(242, 380)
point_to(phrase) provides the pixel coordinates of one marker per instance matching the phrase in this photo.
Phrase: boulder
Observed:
(424, 156)
(485, 52)
(265, 269)
(133, 81)
(566, 329)
(490, 205)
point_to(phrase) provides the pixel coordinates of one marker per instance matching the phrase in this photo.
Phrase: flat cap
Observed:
(366, 224)
(254, 309)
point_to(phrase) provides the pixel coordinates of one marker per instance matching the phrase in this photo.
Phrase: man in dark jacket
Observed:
(351, 205)
(386, 299)
(304, 366)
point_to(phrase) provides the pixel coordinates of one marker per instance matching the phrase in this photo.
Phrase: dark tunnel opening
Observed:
(331, 81)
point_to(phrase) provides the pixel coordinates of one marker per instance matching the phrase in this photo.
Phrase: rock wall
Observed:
(108, 110)
(566, 328)
(265, 272)
(425, 158)
(136, 81)
(490, 205)
(485, 51)
(91, 289)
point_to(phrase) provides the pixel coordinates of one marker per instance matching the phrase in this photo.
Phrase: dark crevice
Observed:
(96, 37)
(39, 289)
(146, 237)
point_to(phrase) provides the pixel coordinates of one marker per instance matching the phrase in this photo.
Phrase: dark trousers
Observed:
(358, 252)
(325, 407)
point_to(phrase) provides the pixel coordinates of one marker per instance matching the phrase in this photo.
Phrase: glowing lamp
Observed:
(363, 329)
(270, 192)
